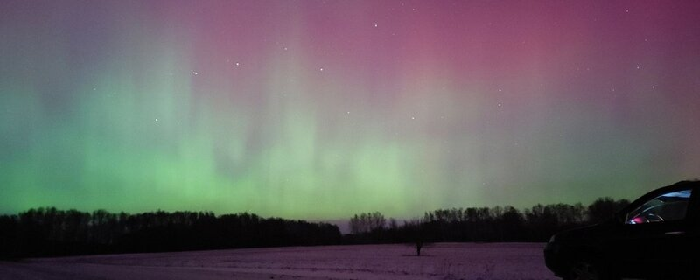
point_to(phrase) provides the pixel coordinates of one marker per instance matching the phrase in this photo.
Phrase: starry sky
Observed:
(322, 109)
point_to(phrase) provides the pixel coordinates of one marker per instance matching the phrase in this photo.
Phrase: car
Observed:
(656, 236)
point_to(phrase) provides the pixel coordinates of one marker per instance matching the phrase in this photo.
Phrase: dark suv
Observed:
(656, 236)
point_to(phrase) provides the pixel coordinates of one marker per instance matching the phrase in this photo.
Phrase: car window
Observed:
(671, 206)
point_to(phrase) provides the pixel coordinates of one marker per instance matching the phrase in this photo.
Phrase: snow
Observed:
(439, 261)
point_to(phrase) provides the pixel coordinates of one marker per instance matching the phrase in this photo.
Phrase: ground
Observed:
(472, 261)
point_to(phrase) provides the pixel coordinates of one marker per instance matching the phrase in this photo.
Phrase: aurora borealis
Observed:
(321, 109)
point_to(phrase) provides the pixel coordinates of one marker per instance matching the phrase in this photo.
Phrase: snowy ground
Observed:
(439, 261)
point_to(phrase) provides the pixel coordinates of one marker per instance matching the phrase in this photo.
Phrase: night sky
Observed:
(322, 109)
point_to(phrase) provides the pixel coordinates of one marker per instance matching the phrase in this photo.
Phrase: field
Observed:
(439, 261)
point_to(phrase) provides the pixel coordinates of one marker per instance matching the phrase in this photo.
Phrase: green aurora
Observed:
(312, 111)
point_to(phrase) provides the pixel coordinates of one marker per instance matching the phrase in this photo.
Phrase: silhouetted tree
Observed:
(46, 231)
(604, 209)
(367, 222)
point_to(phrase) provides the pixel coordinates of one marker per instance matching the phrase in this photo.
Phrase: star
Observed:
(238, 63)
(413, 118)
(376, 25)
(320, 69)
(195, 72)
(639, 67)
(156, 119)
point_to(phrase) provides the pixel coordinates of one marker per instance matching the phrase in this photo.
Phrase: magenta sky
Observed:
(321, 109)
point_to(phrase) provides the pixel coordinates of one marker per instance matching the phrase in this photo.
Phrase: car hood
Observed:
(591, 233)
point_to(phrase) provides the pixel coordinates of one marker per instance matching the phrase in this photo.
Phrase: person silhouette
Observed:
(419, 245)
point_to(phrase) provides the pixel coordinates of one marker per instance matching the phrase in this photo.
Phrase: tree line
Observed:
(47, 231)
(482, 224)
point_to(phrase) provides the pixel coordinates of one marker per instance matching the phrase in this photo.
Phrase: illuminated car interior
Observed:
(666, 207)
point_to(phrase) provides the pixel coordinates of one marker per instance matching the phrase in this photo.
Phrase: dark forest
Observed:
(47, 231)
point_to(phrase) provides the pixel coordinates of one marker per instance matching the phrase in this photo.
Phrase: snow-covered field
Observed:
(439, 261)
